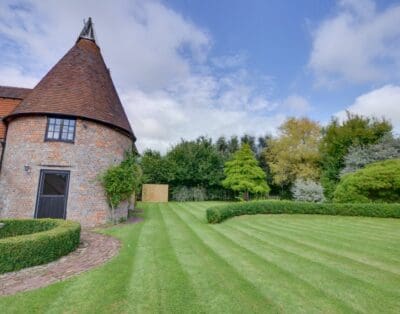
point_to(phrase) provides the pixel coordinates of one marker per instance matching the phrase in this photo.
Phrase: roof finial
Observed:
(88, 30)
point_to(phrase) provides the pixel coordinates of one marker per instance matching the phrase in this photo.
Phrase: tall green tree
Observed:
(339, 137)
(222, 146)
(244, 175)
(156, 168)
(250, 140)
(196, 163)
(233, 144)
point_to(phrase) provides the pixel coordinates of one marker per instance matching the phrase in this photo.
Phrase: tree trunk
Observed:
(246, 196)
(112, 214)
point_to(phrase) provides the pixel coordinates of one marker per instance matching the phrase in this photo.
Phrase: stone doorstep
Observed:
(95, 249)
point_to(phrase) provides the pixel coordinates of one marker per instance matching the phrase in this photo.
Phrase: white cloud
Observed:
(15, 77)
(296, 105)
(159, 61)
(140, 40)
(381, 102)
(230, 61)
(161, 120)
(359, 44)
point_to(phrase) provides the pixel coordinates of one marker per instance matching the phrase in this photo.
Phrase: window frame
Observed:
(47, 139)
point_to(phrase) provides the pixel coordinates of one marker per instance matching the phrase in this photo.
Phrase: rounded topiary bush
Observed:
(29, 242)
(377, 182)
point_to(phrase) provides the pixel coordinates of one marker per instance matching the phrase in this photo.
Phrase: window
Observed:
(54, 183)
(59, 129)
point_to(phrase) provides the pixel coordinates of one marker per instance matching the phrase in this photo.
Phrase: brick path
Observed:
(95, 249)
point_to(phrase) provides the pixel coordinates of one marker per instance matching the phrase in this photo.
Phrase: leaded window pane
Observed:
(60, 129)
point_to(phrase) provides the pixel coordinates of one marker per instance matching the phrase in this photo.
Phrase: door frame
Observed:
(41, 176)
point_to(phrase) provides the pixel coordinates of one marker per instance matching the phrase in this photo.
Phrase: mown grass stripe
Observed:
(332, 228)
(364, 269)
(158, 283)
(175, 262)
(331, 238)
(364, 274)
(355, 224)
(380, 257)
(360, 279)
(221, 285)
(98, 288)
(246, 260)
(320, 276)
(378, 225)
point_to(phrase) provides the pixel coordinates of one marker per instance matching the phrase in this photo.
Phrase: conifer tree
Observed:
(244, 175)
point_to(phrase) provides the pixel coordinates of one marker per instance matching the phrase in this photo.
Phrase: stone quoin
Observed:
(57, 138)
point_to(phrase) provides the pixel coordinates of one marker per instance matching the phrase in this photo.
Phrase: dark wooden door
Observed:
(52, 194)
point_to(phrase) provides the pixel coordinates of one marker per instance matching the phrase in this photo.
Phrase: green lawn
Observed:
(173, 262)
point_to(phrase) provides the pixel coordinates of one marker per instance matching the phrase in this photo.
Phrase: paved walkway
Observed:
(95, 249)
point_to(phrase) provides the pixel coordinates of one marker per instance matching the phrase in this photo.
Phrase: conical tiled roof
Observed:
(78, 85)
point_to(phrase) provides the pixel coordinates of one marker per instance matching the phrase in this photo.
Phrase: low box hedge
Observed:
(17, 227)
(220, 213)
(29, 242)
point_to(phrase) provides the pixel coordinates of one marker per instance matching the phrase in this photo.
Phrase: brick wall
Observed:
(96, 147)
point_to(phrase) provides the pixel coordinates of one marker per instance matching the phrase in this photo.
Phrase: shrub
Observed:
(17, 227)
(185, 194)
(199, 194)
(308, 191)
(359, 156)
(182, 194)
(121, 181)
(29, 242)
(377, 182)
(338, 137)
(220, 213)
(219, 194)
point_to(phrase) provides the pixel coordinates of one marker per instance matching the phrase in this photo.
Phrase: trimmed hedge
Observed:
(220, 213)
(30, 242)
(17, 227)
(377, 182)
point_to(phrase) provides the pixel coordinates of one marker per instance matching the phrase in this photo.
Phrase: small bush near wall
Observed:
(220, 213)
(29, 242)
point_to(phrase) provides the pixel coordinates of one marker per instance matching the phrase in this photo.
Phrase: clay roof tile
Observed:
(14, 92)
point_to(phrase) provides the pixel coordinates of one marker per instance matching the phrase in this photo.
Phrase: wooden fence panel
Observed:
(155, 193)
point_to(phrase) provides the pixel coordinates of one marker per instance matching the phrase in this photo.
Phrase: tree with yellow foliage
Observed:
(294, 153)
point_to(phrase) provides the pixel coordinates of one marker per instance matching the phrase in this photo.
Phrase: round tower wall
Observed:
(96, 148)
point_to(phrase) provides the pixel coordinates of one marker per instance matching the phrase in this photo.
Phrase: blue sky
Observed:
(185, 68)
(276, 37)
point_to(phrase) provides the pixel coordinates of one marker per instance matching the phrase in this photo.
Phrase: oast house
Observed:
(58, 137)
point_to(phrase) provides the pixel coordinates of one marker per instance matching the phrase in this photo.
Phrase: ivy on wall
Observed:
(121, 181)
